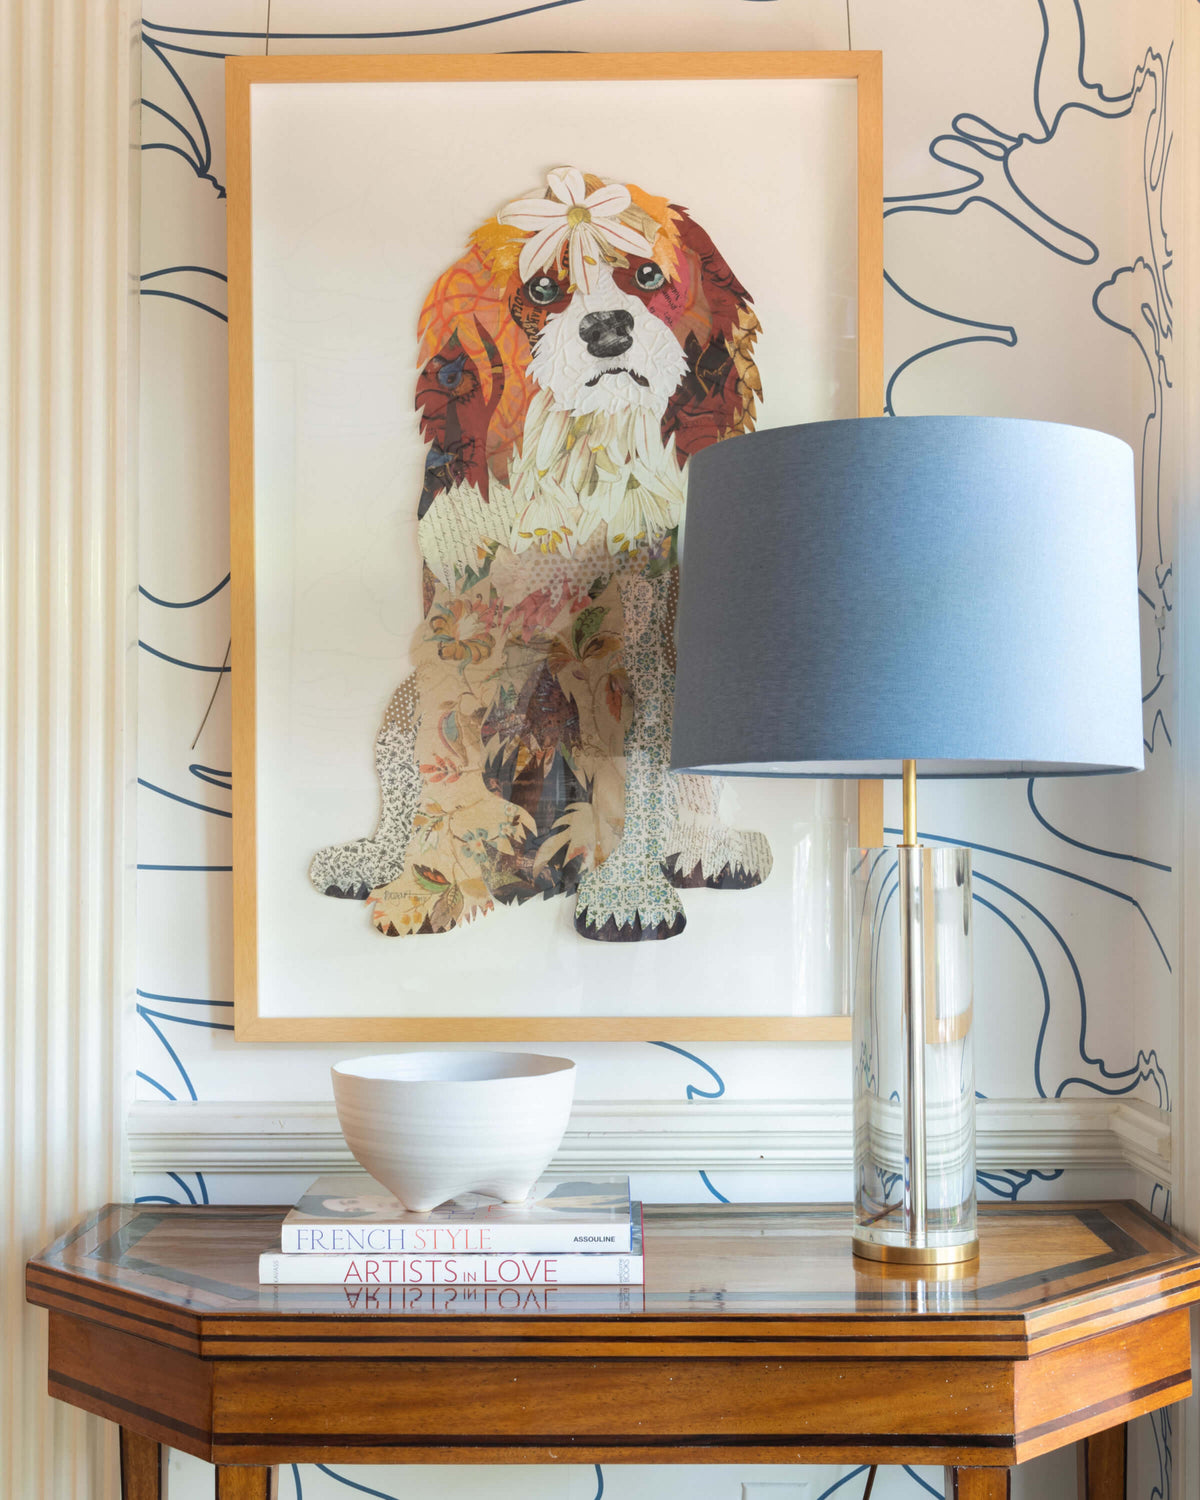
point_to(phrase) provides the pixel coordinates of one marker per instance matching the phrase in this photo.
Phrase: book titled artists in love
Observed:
(351, 1214)
(491, 1269)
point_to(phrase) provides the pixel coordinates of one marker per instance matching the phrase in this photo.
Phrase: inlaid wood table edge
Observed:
(759, 1340)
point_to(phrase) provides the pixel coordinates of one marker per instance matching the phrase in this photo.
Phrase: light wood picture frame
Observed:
(266, 99)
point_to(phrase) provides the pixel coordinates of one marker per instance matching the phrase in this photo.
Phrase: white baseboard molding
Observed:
(636, 1135)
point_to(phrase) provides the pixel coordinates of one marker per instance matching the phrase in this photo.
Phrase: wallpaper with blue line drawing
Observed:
(1029, 253)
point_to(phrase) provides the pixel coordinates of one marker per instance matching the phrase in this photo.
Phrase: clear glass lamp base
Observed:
(910, 982)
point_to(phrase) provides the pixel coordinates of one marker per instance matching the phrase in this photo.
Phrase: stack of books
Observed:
(348, 1230)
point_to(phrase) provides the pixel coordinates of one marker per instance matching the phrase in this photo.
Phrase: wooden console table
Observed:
(758, 1339)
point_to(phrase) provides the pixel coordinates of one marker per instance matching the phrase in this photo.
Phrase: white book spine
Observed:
(448, 1239)
(278, 1269)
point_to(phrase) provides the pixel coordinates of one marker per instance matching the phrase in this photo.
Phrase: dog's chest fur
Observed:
(584, 491)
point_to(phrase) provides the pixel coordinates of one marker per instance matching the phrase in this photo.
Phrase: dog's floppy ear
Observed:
(456, 402)
(716, 397)
(473, 388)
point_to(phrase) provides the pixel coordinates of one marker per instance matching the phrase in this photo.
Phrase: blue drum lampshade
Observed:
(961, 591)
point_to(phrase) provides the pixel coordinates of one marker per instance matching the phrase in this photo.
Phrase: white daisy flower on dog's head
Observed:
(586, 223)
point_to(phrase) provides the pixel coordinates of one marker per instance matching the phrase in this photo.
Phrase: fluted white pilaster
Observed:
(67, 639)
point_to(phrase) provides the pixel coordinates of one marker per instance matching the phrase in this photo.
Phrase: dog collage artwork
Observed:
(587, 343)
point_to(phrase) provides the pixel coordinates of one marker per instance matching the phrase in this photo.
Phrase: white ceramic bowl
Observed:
(432, 1125)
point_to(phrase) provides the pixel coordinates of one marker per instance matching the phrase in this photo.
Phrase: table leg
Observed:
(1101, 1465)
(977, 1484)
(246, 1482)
(143, 1467)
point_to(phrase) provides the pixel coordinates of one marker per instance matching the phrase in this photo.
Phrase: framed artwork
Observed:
(483, 309)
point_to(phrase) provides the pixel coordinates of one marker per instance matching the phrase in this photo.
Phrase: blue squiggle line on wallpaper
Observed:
(175, 661)
(1135, 859)
(352, 1484)
(1041, 864)
(694, 1091)
(204, 869)
(1146, 1068)
(183, 1187)
(1159, 723)
(147, 1015)
(184, 603)
(844, 1480)
(192, 302)
(983, 154)
(154, 1083)
(1160, 1427)
(182, 129)
(219, 812)
(720, 1197)
(149, 291)
(1042, 980)
(152, 1016)
(997, 146)
(1112, 1082)
(212, 776)
(184, 1020)
(1153, 358)
(181, 999)
(1009, 1183)
(998, 333)
(358, 36)
(171, 270)
(913, 1475)
(171, 1052)
(188, 1195)
(200, 157)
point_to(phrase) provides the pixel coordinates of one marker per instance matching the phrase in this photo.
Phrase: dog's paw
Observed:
(351, 871)
(642, 909)
(615, 930)
(423, 900)
(710, 856)
(354, 893)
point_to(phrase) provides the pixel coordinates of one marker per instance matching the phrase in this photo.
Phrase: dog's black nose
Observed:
(607, 333)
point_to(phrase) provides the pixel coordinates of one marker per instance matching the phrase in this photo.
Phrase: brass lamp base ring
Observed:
(917, 1255)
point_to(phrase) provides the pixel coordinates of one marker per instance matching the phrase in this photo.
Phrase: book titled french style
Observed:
(351, 1214)
(503, 1268)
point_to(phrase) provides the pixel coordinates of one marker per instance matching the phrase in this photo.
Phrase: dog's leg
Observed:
(704, 851)
(628, 899)
(355, 869)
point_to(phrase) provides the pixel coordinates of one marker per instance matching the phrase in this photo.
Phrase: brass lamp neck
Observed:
(910, 804)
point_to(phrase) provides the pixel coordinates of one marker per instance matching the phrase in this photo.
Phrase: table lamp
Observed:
(865, 597)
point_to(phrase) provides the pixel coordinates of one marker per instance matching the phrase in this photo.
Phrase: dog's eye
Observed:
(543, 290)
(649, 276)
(450, 374)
